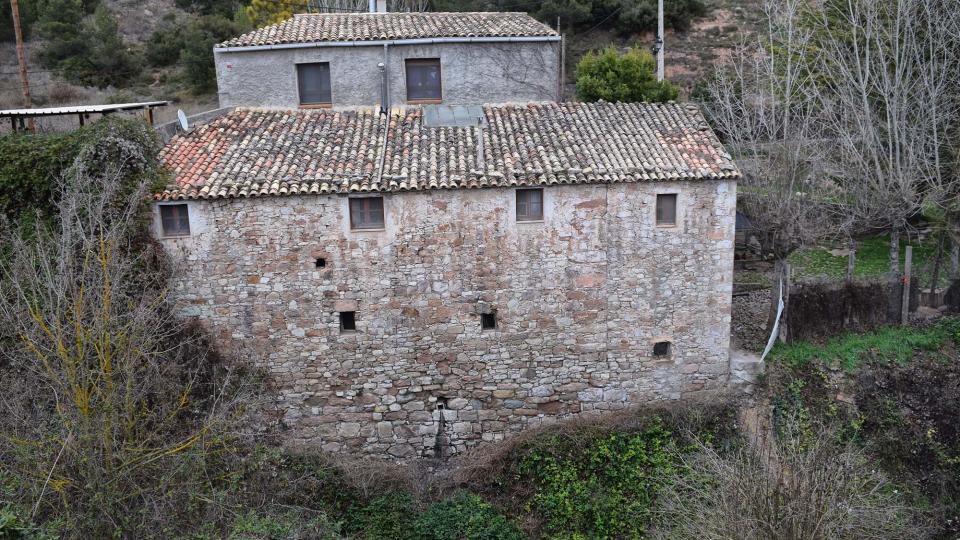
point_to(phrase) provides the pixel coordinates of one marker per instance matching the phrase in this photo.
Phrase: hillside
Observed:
(690, 54)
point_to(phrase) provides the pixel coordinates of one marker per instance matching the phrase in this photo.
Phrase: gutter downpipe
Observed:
(384, 109)
(372, 43)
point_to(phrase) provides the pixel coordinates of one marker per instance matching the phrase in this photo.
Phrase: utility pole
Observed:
(659, 44)
(22, 59)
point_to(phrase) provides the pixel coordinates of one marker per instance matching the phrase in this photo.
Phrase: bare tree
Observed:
(110, 404)
(762, 104)
(889, 76)
(793, 490)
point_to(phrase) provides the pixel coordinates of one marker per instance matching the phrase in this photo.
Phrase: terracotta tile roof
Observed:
(252, 152)
(327, 27)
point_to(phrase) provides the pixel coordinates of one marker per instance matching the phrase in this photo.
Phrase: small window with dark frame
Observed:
(666, 209)
(366, 213)
(313, 83)
(529, 205)
(661, 348)
(488, 321)
(175, 219)
(423, 80)
(348, 321)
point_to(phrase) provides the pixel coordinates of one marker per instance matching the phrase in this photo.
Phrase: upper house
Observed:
(353, 59)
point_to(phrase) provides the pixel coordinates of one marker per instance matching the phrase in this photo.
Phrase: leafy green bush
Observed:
(629, 77)
(465, 516)
(600, 488)
(31, 164)
(387, 516)
(291, 525)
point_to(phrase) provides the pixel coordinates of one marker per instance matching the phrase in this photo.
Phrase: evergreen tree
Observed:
(628, 77)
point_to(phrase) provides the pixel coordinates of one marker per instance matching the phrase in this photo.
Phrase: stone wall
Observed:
(471, 73)
(579, 298)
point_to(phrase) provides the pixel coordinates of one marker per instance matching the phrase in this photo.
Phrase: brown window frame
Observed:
(423, 62)
(175, 220)
(329, 89)
(660, 209)
(522, 212)
(361, 209)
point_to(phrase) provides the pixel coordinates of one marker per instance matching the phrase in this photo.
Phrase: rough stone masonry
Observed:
(579, 301)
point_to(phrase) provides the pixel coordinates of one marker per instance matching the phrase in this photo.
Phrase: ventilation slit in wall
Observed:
(348, 321)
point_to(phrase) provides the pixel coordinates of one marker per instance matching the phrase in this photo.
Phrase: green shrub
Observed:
(387, 516)
(602, 488)
(628, 77)
(293, 525)
(465, 516)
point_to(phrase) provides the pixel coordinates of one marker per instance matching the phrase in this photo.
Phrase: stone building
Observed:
(335, 60)
(416, 288)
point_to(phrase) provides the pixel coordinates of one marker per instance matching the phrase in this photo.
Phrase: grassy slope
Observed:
(872, 260)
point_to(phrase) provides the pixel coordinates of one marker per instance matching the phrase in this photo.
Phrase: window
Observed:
(661, 348)
(348, 321)
(423, 80)
(175, 219)
(313, 81)
(321, 262)
(667, 209)
(366, 213)
(529, 205)
(488, 321)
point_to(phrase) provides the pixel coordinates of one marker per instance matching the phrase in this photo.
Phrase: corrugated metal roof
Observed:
(80, 109)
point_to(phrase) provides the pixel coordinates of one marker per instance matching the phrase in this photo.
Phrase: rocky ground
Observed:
(749, 320)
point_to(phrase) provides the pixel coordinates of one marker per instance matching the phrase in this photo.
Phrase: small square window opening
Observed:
(667, 209)
(366, 213)
(321, 262)
(175, 219)
(423, 80)
(488, 321)
(661, 348)
(313, 83)
(348, 321)
(529, 205)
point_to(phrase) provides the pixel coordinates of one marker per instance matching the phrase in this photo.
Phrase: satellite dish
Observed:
(183, 119)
